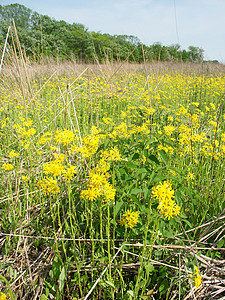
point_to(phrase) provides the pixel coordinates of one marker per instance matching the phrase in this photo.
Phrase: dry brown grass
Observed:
(14, 67)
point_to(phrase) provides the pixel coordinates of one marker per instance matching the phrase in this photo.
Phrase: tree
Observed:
(19, 13)
(41, 35)
(196, 54)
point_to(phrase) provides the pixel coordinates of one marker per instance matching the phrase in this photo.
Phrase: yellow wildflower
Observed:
(7, 167)
(13, 154)
(198, 278)
(49, 185)
(129, 218)
(190, 176)
(64, 137)
(4, 297)
(111, 155)
(69, 173)
(169, 129)
(25, 178)
(165, 194)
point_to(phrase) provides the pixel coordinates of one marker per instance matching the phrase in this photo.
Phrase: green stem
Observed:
(114, 213)
(108, 240)
(2, 278)
(136, 289)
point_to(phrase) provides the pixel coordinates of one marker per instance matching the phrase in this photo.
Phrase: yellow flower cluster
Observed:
(167, 149)
(148, 111)
(111, 155)
(25, 178)
(24, 132)
(64, 137)
(198, 278)
(98, 185)
(13, 154)
(49, 185)
(169, 129)
(45, 138)
(129, 218)
(55, 167)
(90, 144)
(4, 296)
(107, 120)
(7, 166)
(165, 194)
(69, 172)
(121, 131)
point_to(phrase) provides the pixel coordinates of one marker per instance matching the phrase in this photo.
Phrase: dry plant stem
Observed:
(4, 48)
(155, 262)
(147, 80)
(203, 225)
(67, 90)
(58, 238)
(207, 229)
(21, 56)
(91, 232)
(216, 132)
(20, 75)
(74, 232)
(77, 123)
(67, 112)
(97, 281)
(29, 269)
(60, 226)
(90, 98)
(101, 225)
(114, 211)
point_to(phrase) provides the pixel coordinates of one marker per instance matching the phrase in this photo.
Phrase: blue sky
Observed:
(199, 23)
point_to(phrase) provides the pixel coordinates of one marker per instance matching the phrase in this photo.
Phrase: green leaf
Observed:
(146, 192)
(135, 191)
(149, 268)
(110, 283)
(186, 221)
(220, 244)
(154, 158)
(168, 233)
(150, 142)
(153, 175)
(135, 156)
(131, 165)
(163, 288)
(163, 156)
(142, 170)
(106, 142)
(118, 207)
(62, 277)
(159, 178)
(135, 199)
(44, 297)
(131, 293)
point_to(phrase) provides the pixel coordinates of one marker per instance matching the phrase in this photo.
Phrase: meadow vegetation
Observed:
(112, 181)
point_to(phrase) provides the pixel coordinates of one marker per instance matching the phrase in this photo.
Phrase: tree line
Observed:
(41, 36)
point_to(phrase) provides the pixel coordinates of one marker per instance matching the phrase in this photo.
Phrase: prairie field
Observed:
(112, 181)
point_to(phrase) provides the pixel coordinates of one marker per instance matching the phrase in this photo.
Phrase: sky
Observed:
(199, 23)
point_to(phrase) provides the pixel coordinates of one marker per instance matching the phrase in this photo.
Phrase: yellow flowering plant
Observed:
(102, 173)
